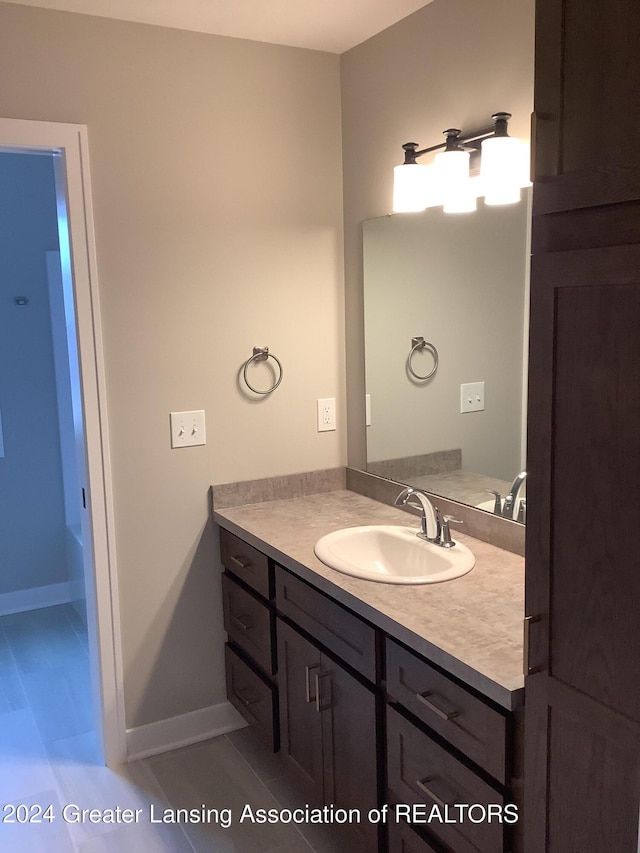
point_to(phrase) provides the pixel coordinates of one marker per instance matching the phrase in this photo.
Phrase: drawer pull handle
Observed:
(320, 706)
(444, 715)
(246, 697)
(307, 683)
(421, 784)
(240, 562)
(242, 622)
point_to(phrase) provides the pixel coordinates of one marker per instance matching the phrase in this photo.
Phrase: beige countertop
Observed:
(471, 626)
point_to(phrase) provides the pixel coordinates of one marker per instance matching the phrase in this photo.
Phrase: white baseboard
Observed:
(182, 730)
(34, 598)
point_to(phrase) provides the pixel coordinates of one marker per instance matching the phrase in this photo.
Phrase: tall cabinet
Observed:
(583, 521)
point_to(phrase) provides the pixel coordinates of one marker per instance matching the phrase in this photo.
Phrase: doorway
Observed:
(87, 506)
(43, 618)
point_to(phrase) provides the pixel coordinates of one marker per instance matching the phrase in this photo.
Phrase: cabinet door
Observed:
(328, 731)
(587, 103)
(299, 668)
(349, 745)
(582, 777)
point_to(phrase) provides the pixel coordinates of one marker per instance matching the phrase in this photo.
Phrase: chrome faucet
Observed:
(429, 525)
(510, 507)
(433, 527)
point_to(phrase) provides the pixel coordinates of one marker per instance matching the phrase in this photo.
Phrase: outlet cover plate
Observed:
(327, 414)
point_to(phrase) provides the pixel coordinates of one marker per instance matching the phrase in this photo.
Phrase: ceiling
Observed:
(330, 25)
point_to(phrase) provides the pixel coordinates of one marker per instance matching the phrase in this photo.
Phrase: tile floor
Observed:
(47, 757)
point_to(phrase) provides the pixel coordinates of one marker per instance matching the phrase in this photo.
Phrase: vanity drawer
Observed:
(402, 839)
(420, 771)
(341, 631)
(249, 623)
(246, 562)
(468, 723)
(253, 696)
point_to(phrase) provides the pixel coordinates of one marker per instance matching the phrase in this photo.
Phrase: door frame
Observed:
(69, 142)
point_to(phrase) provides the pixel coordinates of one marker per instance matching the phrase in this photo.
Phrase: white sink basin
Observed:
(489, 505)
(391, 554)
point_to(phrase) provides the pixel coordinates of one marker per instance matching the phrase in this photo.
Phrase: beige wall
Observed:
(452, 63)
(216, 176)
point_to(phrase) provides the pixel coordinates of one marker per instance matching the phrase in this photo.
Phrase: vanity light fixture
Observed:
(448, 181)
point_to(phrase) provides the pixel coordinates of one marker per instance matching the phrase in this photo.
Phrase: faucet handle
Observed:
(522, 511)
(497, 506)
(445, 534)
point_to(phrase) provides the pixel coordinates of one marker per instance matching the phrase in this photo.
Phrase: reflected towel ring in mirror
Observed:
(262, 354)
(419, 343)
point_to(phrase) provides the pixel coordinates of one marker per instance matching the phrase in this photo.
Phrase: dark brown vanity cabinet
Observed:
(583, 550)
(361, 720)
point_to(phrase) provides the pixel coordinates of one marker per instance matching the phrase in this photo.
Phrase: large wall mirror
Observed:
(460, 282)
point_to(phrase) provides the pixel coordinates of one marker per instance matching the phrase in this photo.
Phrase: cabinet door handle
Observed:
(421, 784)
(242, 622)
(246, 697)
(307, 683)
(528, 622)
(240, 562)
(444, 715)
(320, 705)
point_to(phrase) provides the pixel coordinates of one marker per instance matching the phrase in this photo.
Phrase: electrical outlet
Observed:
(327, 414)
(472, 397)
(187, 429)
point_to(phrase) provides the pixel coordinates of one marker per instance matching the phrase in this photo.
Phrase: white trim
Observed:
(21, 600)
(182, 730)
(72, 177)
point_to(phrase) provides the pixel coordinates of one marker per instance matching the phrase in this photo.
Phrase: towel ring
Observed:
(419, 343)
(262, 354)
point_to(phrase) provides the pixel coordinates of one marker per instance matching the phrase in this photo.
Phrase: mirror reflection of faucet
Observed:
(512, 505)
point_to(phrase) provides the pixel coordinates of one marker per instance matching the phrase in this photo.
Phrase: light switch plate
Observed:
(188, 429)
(472, 397)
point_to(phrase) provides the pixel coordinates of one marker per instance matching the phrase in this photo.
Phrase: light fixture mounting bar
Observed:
(468, 140)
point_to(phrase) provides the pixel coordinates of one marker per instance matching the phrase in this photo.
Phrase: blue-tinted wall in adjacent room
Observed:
(32, 519)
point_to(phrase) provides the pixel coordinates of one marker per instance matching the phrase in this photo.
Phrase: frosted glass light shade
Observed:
(501, 170)
(410, 188)
(452, 170)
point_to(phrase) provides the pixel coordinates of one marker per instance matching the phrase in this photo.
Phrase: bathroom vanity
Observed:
(377, 694)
